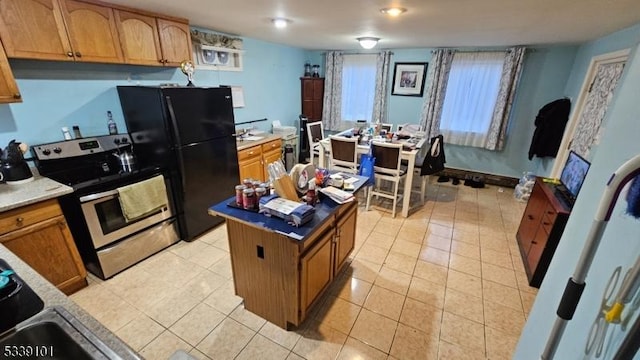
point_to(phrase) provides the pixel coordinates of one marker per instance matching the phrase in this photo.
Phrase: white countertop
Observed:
(40, 189)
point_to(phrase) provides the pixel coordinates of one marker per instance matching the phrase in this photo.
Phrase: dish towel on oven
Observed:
(143, 197)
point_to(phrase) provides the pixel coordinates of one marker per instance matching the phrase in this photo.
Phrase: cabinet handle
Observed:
(250, 152)
(69, 54)
(19, 221)
(62, 224)
(546, 223)
(550, 213)
(17, 96)
(78, 54)
(530, 217)
(534, 243)
(161, 61)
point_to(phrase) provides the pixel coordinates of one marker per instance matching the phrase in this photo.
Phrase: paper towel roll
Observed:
(301, 174)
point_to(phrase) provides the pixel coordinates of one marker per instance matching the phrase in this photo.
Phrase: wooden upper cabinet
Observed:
(8, 87)
(139, 38)
(175, 40)
(92, 32)
(34, 29)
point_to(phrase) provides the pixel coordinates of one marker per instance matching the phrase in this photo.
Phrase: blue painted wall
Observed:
(60, 94)
(619, 244)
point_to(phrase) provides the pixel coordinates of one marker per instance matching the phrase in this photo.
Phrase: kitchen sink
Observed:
(54, 334)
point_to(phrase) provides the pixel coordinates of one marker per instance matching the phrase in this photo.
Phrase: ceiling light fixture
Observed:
(280, 23)
(393, 11)
(368, 42)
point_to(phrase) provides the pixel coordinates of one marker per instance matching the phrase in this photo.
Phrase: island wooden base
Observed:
(280, 278)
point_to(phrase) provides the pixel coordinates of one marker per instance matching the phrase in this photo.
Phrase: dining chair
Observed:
(315, 133)
(387, 167)
(344, 155)
(386, 127)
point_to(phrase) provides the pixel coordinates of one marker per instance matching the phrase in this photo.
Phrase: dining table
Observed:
(410, 149)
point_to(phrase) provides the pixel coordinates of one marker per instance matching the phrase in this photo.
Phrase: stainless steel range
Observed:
(110, 236)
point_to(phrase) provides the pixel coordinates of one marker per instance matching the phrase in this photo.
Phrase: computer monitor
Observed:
(573, 174)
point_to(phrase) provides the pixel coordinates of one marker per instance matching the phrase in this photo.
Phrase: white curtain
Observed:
(437, 77)
(332, 104)
(471, 93)
(381, 94)
(358, 86)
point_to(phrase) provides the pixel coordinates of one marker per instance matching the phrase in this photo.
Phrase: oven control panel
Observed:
(80, 147)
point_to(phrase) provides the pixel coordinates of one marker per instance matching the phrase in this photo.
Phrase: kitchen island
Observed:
(281, 270)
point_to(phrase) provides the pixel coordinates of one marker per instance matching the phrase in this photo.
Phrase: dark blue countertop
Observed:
(325, 208)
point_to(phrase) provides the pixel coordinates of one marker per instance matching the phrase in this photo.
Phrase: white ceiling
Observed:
(334, 24)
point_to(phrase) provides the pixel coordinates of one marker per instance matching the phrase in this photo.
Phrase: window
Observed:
(470, 99)
(358, 87)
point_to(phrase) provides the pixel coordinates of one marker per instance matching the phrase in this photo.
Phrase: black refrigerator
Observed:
(190, 132)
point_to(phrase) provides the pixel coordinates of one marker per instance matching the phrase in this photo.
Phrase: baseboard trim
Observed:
(499, 180)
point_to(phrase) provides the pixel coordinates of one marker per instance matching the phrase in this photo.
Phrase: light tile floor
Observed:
(445, 283)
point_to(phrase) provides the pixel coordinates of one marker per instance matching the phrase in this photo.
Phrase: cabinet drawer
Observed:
(28, 215)
(275, 144)
(249, 153)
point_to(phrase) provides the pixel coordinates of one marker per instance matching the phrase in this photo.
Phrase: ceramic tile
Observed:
(226, 340)
(351, 289)
(139, 332)
(501, 294)
(412, 344)
(466, 265)
(135, 285)
(294, 356)
(247, 318)
(372, 253)
(171, 268)
(500, 345)
(462, 332)
(427, 292)
(496, 258)
(365, 270)
(374, 330)
(498, 244)
(284, 338)
(499, 274)
(447, 351)
(465, 305)
(384, 302)
(262, 348)
(163, 346)
(197, 323)
(437, 242)
(208, 256)
(503, 318)
(466, 236)
(431, 272)
(223, 268)
(527, 301)
(354, 349)
(412, 233)
(388, 227)
(319, 341)
(393, 280)
(198, 354)
(465, 283)
(204, 284)
(169, 310)
(465, 249)
(381, 240)
(406, 248)
(338, 314)
(222, 244)
(421, 316)
(523, 283)
(516, 260)
(434, 256)
(439, 230)
(400, 262)
(224, 299)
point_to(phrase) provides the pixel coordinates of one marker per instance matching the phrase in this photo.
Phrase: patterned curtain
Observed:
(511, 71)
(600, 94)
(437, 77)
(382, 80)
(332, 103)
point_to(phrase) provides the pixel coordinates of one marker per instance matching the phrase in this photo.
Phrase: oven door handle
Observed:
(174, 123)
(97, 196)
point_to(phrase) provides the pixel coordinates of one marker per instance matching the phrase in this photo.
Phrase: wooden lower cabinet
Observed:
(38, 234)
(253, 161)
(281, 279)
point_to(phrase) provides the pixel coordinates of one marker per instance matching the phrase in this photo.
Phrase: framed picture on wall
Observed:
(408, 78)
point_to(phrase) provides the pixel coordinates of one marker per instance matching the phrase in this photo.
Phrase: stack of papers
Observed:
(337, 195)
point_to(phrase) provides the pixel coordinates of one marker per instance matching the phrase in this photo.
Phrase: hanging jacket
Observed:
(550, 123)
(434, 159)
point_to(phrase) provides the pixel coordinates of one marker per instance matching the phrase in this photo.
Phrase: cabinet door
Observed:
(251, 168)
(8, 87)
(48, 248)
(532, 218)
(345, 237)
(537, 248)
(34, 29)
(92, 32)
(139, 38)
(175, 41)
(270, 157)
(316, 271)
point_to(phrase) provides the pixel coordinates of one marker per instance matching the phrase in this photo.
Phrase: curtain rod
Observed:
(359, 53)
(481, 50)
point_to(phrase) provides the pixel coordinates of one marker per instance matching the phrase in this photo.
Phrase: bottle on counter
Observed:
(311, 193)
(76, 132)
(66, 133)
(113, 128)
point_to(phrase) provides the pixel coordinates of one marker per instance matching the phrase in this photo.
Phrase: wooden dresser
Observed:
(540, 230)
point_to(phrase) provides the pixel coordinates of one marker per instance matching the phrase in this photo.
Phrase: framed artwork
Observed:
(408, 78)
